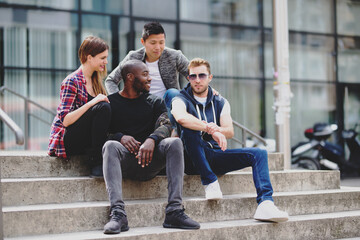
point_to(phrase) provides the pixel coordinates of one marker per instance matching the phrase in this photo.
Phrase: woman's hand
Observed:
(99, 98)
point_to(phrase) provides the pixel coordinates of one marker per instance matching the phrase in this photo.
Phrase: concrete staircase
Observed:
(49, 198)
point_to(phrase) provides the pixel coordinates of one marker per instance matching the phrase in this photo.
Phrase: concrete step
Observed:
(27, 164)
(75, 217)
(26, 191)
(311, 227)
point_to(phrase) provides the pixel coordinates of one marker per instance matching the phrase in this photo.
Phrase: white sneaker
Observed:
(212, 191)
(268, 212)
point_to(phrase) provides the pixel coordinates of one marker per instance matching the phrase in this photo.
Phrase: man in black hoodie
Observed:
(140, 148)
(205, 124)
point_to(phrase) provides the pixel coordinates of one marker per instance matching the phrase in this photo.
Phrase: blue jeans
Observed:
(168, 97)
(208, 162)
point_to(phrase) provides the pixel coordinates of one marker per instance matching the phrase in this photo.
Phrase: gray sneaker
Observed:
(178, 219)
(118, 222)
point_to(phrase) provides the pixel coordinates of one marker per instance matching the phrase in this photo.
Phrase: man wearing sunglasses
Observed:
(205, 123)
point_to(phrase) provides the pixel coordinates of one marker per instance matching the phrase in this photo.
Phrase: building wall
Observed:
(39, 41)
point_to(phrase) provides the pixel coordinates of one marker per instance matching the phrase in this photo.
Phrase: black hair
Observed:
(129, 67)
(152, 28)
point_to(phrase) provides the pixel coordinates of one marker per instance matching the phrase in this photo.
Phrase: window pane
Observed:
(267, 6)
(352, 106)
(52, 39)
(231, 51)
(155, 8)
(59, 4)
(349, 60)
(15, 46)
(310, 15)
(98, 26)
(169, 31)
(244, 99)
(14, 37)
(124, 30)
(107, 6)
(305, 15)
(311, 57)
(304, 113)
(348, 17)
(220, 11)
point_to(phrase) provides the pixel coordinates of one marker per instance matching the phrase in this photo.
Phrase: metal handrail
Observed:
(27, 101)
(19, 135)
(244, 132)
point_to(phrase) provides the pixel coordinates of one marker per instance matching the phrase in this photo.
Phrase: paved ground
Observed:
(351, 182)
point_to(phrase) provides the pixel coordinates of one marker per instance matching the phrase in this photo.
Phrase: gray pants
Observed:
(119, 163)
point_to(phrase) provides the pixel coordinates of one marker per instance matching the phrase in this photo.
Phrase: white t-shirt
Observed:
(178, 104)
(157, 86)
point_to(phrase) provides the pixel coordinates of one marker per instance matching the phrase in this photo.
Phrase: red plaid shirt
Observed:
(73, 95)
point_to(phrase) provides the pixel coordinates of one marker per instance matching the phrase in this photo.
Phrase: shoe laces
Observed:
(180, 214)
(116, 216)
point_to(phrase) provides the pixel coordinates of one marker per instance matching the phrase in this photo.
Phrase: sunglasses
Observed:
(202, 76)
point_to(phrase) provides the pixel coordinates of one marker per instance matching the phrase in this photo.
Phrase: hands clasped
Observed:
(215, 131)
(143, 152)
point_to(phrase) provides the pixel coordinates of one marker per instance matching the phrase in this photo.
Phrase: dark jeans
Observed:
(88, 134)
(119, 163)
(208, 162)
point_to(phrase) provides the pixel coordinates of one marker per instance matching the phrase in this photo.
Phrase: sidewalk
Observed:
(350, 182)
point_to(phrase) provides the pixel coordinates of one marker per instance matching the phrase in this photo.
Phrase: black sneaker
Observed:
(118, 223)
(178, 219)
(97, 172)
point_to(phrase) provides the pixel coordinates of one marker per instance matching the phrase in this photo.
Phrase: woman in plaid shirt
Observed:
(83, 115)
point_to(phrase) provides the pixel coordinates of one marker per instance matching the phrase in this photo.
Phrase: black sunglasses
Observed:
(202, 76)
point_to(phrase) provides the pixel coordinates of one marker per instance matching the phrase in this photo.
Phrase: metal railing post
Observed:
(1, 212)
(243, 136)
(26, 118)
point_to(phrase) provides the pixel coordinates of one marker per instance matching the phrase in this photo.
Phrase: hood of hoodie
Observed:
(187, 91)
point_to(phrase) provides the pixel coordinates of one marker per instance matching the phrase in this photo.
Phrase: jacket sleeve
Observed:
(162, 125)
(68, 94)
(182, 64)
(114, 78)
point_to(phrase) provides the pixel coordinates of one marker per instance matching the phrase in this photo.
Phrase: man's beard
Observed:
(139, 87)
(200, 91)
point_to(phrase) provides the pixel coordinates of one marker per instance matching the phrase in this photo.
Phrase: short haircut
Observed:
(129, 67)
(196, 62)
(152, 28)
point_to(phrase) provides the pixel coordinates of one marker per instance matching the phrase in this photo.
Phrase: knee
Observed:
(110, 145)
(261, 155)
(176, 144)
(103, 107)
(170, 94)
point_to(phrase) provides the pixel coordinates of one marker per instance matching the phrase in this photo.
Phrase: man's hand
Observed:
(211, 128)
(220, 139)
(146, 152)
(216, 93)
(130, 143)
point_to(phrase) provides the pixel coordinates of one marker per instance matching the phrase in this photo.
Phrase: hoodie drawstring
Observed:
(213, 108)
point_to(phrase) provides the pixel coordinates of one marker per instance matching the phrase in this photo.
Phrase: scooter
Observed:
(318, 153)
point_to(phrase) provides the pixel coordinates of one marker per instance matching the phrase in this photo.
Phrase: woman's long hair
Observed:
(93, 46)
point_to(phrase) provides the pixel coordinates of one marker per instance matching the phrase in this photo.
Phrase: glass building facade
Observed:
(39, 41)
